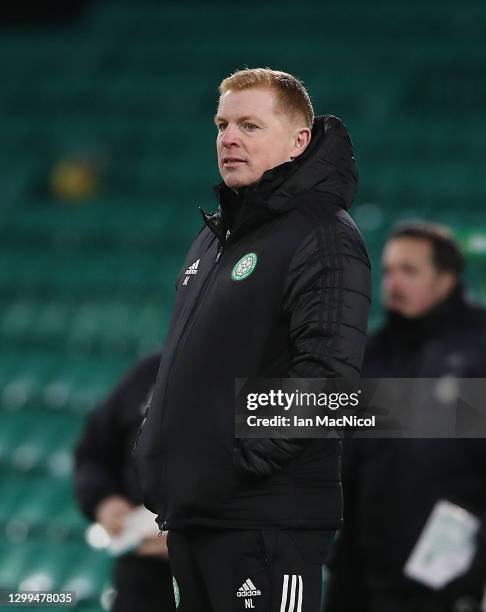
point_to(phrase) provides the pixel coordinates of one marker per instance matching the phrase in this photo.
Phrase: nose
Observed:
(229, 138)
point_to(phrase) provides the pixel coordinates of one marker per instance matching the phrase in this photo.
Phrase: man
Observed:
(276, 284)
(108, 491)
(391, 486)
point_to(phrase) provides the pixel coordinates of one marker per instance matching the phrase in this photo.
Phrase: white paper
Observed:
(445, 547)
(139, 525)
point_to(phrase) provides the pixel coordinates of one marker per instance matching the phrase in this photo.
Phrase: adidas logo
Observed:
(192, 269)
(248, 589)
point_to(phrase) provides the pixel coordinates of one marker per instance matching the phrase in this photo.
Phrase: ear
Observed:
(301, 140)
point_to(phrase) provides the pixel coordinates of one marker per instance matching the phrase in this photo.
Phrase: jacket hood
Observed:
(434, 322)
(327, 165)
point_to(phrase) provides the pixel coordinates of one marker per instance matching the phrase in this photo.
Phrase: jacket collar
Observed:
(327, 167)
(439, 319)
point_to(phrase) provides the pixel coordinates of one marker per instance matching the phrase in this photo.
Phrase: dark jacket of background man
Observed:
(104, 467)
(391, 486)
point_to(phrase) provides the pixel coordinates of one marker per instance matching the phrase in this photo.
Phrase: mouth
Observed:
(229, 162)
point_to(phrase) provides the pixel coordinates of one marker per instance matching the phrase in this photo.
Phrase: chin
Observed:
(406, 314)
(236, 182)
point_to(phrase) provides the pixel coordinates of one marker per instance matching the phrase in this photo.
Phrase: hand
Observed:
(112, 512)
(155, 546)
(462, 594)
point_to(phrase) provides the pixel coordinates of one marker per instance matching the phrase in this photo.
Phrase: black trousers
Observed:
(143, 584)
(265, 570)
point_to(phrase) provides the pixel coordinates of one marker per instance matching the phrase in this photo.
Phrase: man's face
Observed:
(252, 138)
(412, 285)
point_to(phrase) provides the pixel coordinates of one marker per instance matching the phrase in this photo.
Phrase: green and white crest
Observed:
(244, 267)
(177, 595)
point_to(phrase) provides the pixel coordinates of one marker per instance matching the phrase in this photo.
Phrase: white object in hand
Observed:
(445, 547)
(138, 526)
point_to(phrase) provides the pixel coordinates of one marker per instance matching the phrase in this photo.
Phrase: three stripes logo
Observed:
(292, 593)
(192, 269)
(248, 589)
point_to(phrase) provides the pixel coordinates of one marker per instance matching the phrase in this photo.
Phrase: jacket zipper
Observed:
(187, 326)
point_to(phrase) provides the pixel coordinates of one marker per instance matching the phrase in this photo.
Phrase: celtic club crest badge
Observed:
(244, 267)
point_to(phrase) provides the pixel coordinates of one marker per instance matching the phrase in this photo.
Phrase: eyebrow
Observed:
(245, 118)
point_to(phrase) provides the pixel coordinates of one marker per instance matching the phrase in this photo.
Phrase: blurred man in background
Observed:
(108, 489)
(392, 485)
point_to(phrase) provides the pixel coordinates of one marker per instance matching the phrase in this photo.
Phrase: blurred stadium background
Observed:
(107, 149)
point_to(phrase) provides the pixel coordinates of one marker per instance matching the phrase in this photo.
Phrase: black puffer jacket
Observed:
(276, 284)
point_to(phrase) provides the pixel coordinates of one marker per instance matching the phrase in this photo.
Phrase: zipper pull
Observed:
(220, 251)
